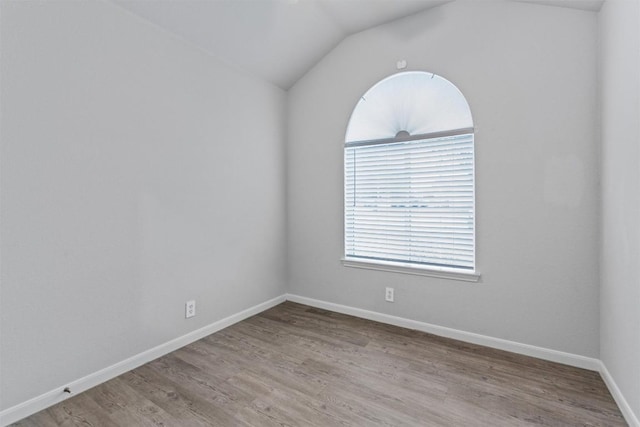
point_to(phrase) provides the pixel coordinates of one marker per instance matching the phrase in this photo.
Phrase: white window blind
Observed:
(411, 201)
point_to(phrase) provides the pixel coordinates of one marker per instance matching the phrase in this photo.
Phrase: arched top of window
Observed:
(409, 104)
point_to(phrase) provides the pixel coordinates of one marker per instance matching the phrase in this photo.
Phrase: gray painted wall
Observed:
(620, 289)
(137, 173)
(529, 74)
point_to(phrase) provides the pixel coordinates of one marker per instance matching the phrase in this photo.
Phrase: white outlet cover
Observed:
(190, 309)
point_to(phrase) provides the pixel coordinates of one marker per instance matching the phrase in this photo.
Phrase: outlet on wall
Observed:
(190, 309)
(388, 294)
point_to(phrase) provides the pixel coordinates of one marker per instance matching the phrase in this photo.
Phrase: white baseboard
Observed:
(470, 337)
(38, 403)
(624, 406)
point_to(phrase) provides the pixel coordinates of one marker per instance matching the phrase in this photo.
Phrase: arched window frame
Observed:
(426, 121)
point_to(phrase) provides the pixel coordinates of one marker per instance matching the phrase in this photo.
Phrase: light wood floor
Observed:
(295, 365)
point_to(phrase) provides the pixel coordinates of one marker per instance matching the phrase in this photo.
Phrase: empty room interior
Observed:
(319, 212)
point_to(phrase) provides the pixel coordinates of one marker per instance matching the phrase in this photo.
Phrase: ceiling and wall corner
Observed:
(590, 5)
(277, 40)
(280, 40)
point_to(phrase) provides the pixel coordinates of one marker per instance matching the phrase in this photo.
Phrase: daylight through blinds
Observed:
(411, 202)
(410, 199)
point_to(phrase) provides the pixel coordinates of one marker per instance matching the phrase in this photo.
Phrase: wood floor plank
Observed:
(295, 365)
(126, 406)
(220, 393)
(80, 410)
(182, 402)
(40, 419)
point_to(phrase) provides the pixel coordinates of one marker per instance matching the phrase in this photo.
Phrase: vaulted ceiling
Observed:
(280, 40)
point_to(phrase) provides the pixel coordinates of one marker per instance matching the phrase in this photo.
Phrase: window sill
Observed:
(442, 273)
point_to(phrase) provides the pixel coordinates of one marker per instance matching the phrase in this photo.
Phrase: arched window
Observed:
(409, 176)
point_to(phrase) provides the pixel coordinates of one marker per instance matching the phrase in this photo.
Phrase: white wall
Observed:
(529, 74)
(620, 290)
(137, 172)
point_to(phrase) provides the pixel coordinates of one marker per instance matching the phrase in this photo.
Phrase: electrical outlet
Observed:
(190, 309)
(388, 294)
